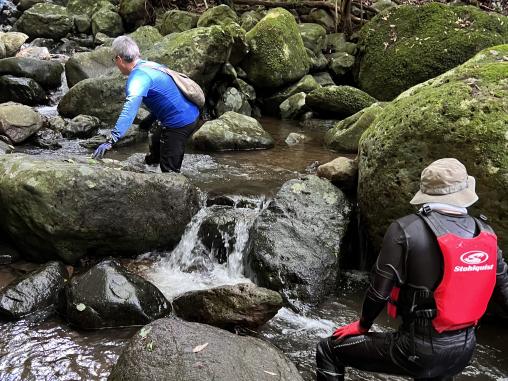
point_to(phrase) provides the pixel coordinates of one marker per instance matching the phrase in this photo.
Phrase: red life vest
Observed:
(469, 277)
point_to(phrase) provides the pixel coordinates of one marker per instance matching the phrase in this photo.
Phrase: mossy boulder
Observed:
(293, 107)
(89, 65)
(277, 55)
(146, 37)
(341, 64)
(219, 15)
(70, 208)
(102, 97)
(108, 22)
(18, 122)
(407, 45)
(345, 136)
(249, 19)
(313, 36)
(46, 73)
(176, 21)
(341, 101)
(304, 85)
(12, 42)
(45, 20)
(198, 52)
(323, 18)
(232, 131)
(134, 12)
(461, 113)
(85, 7)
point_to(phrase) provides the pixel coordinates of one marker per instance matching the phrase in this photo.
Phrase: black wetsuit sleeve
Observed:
(386, 272)
(501, 290)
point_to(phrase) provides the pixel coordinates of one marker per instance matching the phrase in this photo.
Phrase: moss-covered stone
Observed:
(345, 136)
(277, 55)
(107, 22)
(305, 85)
(341, 64)
(313, 36)
(85, 7)
(45, 20)
(219, 15)
(249, 19)
(176, 21)
(146, 37)
(198, 52)
(461, 114)
(293, 107)
(340, 100)
(323, 18)
(134, 13)
(409, 44)
(18, 122)
(12, 42)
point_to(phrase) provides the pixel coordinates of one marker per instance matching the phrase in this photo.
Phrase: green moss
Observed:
(461, 114)
(341, 100)
(219, 15)
(407, 45)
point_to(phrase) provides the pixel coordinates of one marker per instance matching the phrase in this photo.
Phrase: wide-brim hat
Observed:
(446, 181)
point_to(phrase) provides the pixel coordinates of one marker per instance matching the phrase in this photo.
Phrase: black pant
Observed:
(167, 146)
(428, 357)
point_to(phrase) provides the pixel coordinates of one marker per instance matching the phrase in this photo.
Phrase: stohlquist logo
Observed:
(474, 257)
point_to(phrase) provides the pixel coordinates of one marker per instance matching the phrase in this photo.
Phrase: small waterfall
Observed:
(193, 266)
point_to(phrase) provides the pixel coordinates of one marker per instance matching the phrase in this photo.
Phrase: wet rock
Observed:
(108, 295)
(232, 131)
(45, 20)
(12, 42)
(132, 136)
(246, 89)
(48, 207)
(229, 307)
(48, 139)
(313, 36)
(277, 55)
(345, 135)
(176, 21)
(233, 100)
(293, 107)
(18, 122)
(34, 291)
(423, 42)
(430, 121)
(82, 126)
(21, 90)
(305, 85)
(164, 350)
(107, 22)
(296, 241)
(219, 15)
(217, 231)
(35, 52)
(342, 171)
(341, 101)
(23, 5)
(341, 64)
(47, 73)
(199, 52)
(295, 138)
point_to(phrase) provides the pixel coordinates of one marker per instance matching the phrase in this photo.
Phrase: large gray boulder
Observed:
(89, 65)
(45, 20)
(170, 349)
(232, 131)
(18, 122)
(198, 52)
(108, 22)
(219, 15)
(12, 41)
(313, 36)
(229, 307)
(34, 291)
(47, 73)
(71, 208)
(277, 55)
(108, 295)
(21, 90)
(296, 241)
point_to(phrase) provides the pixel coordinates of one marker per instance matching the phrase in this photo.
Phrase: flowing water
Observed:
(51, 350)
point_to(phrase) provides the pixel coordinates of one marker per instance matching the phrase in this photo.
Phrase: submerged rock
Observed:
(33, 291)
(232, 131)
(68, 209)
(108, 295)
(296, 240)
(460, 114)
(170, 349)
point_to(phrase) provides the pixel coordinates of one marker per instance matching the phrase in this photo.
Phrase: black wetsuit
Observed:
(411, 259)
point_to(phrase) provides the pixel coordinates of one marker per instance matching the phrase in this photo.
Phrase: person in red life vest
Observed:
(437, 270)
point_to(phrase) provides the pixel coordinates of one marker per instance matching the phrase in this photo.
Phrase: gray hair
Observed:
(126, 48)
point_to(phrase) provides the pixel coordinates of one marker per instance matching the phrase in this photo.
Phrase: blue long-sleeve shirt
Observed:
(161, 96)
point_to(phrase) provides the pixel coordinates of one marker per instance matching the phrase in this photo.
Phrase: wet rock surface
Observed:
(183, 351)
(108, 295)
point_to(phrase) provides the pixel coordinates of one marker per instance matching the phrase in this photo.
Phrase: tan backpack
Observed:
(190, 89)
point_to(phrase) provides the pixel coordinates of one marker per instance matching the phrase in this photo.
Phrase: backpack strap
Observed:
(432, 221)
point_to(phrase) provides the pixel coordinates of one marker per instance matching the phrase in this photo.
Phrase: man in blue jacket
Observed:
(157, 90)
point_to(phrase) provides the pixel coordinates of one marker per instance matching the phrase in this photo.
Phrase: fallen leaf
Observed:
(80, 307)
(270, 373)
(199, 348)
(144, 331)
